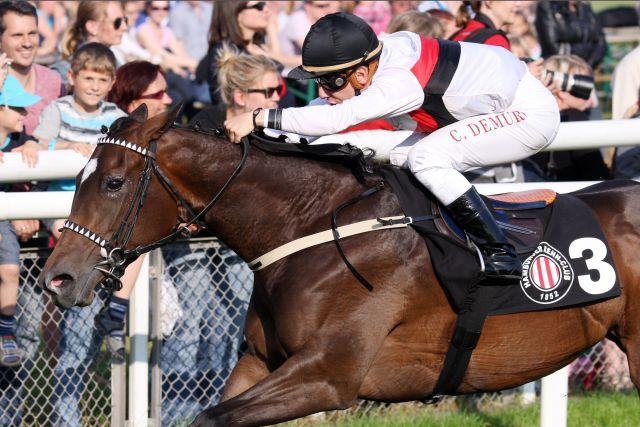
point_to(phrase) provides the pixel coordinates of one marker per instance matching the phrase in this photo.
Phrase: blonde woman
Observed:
(245, 82)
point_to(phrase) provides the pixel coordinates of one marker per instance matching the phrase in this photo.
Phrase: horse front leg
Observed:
(248, 372)
(317, 378)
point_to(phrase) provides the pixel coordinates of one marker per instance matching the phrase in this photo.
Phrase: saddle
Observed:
(542, 226)
(521, 215)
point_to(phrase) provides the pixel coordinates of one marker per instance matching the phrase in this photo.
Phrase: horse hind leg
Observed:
(631, 345)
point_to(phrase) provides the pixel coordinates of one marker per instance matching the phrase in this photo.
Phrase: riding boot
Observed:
(501, 262)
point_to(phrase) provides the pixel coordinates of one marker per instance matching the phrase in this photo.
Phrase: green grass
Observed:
(595, 409)
(609, 4)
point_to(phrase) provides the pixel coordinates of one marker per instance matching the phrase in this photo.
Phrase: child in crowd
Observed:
(74, 121)
(13, 102)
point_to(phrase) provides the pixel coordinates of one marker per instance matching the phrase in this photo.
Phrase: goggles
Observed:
(334, 82)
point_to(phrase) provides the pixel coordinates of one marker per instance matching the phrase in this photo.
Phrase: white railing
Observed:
(66, 164)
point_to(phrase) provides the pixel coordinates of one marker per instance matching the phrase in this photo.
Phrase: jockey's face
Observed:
(327, 88)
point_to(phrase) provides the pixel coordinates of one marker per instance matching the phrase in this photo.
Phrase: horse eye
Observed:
(114, 184)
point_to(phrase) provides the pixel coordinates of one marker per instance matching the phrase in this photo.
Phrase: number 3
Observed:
(607, 274)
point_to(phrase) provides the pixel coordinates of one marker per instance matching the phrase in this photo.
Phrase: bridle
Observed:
(116, 256)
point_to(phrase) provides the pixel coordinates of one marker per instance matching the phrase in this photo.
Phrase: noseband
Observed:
(116, 256)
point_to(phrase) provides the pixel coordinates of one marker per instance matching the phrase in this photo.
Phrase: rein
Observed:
(113, 251)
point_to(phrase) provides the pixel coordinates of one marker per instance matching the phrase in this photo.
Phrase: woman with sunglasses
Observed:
(244, 26)
(158, 38)
(246, 82)
(96, 21)
(473, 105)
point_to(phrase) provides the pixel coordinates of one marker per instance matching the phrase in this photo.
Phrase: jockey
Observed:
(475, 105)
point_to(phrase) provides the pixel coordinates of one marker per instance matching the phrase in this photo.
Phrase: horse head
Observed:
(119, 204)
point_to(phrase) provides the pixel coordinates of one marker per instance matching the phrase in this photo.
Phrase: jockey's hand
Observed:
(239, 126)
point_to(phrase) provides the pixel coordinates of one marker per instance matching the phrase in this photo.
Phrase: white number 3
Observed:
(607, 275)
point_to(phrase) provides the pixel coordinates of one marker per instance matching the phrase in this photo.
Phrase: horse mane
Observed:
(359, 162)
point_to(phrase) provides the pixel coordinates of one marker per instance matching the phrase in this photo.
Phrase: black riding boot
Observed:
(500, 258)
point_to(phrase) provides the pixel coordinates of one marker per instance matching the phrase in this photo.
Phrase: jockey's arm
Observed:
(394, 92)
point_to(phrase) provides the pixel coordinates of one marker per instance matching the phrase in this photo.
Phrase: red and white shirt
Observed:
(415, 78)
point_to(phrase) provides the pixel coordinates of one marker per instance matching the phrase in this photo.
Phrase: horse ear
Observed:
(140, 113)
(160, 123)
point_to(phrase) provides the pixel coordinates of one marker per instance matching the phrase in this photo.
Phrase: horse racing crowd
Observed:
(67, 68)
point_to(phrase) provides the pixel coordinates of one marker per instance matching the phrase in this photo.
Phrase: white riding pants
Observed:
(529, 124)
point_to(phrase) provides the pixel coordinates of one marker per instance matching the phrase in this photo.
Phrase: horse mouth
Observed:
(59, 281)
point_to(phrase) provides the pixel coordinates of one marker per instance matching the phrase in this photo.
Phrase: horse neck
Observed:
(274, 199)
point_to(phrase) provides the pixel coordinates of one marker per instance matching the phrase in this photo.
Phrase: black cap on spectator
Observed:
(336, 42)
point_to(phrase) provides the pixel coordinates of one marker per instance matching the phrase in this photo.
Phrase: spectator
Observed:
(450, 6)
(490, 17)
(521, 27)
(626, 84)
(13, 100)
(570, 27)
(572, 165)
(158, 38)
(627, 162)
(447, 19)
(246, 82)
(129, 48)
(244, 26)
(417, 22)
(97, 21)
(401, 6)
(51, 24)
(376, 13)
(190, 21)
(292, 35)
(19, 41)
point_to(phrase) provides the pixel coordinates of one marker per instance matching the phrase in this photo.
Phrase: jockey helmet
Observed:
(336, 42)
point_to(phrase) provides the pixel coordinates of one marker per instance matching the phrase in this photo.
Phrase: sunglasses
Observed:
(334, 82)
(258, 6)
(165, 8)
(268, 91)
(156, 95)
(117, 23)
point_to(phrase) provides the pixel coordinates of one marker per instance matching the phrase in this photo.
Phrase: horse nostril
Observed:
(58, 281)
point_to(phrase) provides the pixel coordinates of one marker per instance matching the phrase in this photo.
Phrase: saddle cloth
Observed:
(566, 258)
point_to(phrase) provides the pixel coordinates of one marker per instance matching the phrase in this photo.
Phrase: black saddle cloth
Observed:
(566, 258)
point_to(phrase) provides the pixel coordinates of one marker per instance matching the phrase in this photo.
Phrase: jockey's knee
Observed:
(437, 173)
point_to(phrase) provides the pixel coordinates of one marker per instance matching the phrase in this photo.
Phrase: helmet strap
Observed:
(372, 67)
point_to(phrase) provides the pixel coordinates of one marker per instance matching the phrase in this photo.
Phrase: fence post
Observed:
(138, 361)
(553, 399)
(156, 275)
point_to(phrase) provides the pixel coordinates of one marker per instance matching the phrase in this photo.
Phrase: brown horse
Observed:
(318, 340)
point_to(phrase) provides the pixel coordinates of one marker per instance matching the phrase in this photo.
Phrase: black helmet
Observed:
(336, 42)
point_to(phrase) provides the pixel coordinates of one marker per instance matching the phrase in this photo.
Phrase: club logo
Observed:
(547, 276)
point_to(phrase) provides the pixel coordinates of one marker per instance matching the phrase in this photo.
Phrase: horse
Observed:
(318, 339)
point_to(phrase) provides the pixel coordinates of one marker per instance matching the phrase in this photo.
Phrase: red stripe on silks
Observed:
(541, 275)
(423, 69)
(426, 63)
(425, 121)
(550, 277)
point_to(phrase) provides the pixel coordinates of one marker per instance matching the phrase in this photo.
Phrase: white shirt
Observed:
(485, 81)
